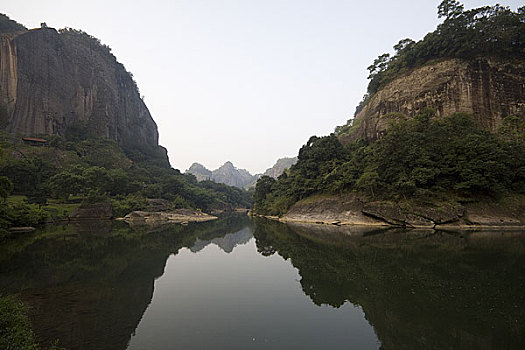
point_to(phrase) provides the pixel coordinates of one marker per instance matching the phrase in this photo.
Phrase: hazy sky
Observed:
(247, 81)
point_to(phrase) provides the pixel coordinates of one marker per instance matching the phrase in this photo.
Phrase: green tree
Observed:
(450, 9)
(6, 187)
(65, 184)
(96, 179)
(262, 188)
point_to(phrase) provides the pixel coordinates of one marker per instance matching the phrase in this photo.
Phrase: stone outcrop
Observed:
(172, 217)
(337, 210)
(67, 82)
(403, 214)
(96, 211)
(351, 209)
(489, 89)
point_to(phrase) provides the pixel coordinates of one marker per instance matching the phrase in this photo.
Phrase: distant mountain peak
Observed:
(230, 175)
(228, 164)
(200, 172)
(197, 166)
(227, 174)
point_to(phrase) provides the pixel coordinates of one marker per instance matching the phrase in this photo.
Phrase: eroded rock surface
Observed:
(489, 89)
(96, 211)
(351, 209)
(60, 83)
(175, 216)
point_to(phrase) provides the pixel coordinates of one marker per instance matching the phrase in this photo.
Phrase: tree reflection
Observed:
(89, 284)
(424, 289)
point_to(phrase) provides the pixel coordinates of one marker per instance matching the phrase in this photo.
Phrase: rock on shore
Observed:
(350, 209)
(175, 216)
(95, 211)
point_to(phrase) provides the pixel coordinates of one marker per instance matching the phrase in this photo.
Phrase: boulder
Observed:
(94, 211)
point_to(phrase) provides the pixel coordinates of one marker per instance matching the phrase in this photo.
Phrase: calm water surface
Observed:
(242, 284)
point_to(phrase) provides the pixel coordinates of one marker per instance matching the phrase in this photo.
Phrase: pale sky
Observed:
(246, 81)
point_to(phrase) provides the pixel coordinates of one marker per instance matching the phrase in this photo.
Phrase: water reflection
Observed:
(227, 243)
(419, 289)
(242, 300)
(89, 284)
(212, 285)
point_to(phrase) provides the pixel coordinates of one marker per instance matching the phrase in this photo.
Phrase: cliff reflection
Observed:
(417, 289)
(89, 285)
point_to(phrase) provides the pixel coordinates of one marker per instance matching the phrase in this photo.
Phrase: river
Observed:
(238, 283)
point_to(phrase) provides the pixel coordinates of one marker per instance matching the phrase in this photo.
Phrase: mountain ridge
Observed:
(233, 176)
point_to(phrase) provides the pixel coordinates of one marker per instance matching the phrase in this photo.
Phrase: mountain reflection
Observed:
(420, 289)
(227, 242)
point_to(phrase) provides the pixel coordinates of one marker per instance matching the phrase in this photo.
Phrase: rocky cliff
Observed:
(67, 83)
(489, 89)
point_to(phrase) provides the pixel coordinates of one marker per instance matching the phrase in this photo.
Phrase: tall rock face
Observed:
(489, 89)
(66, 83)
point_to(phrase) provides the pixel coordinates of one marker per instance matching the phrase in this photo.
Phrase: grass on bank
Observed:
(15, 327)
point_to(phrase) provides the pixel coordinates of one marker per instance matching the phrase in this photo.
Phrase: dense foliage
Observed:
(424, 156)
(15, 328)
(97, 170)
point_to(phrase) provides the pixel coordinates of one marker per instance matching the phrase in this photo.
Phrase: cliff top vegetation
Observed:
(493, 31)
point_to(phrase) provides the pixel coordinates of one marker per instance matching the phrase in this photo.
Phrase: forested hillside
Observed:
(428, 156)
(95, 170)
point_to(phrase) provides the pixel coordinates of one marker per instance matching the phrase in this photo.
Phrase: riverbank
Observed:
(350, 209)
